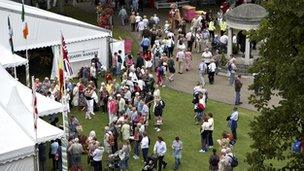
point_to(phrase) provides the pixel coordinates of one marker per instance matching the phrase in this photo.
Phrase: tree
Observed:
(279, 71)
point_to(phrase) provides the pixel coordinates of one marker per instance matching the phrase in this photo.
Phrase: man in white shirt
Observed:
(140, 27)
(156, 19)
(144, 144)
(180, 57)
(211, 71)
(234, 117)
(137, 20)
(146, 21)
(190, 40)
(207, 55)
(160, 150)
(202, 71)
(224, 40)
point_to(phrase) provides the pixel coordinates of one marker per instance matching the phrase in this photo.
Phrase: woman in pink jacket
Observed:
(112, 109)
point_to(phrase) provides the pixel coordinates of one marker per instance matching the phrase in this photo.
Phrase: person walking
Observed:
(188, 59)
(132, 21)
(144, 144)
(177, 147)
(160, 150)
(171, 69)
(234, 117)
(202, 71)
(180, 57)
(211, 69)
(237, 86)
(76, 150)
(123, 16)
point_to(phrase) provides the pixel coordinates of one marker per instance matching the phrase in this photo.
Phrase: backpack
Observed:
(229, 67)
(296, 146)
(200, 107)
(145, 42)
(161, 70)
(234, 161)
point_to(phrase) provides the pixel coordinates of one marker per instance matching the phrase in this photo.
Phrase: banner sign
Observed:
(82, 55)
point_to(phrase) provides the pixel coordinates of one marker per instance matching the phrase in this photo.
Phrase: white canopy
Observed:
(45, 27)
(8, 59)
(23, 116)
(45, 105)
(15, 143)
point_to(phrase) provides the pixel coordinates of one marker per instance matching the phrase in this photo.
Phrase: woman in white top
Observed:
(97, 157)
(210, 129)
(204, 136)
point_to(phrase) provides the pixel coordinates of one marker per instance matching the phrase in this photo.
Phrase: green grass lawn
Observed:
(178, 121)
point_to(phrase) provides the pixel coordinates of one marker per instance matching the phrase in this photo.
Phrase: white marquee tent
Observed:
(17, 124)
(11, 147)
(8, 60)
(19, 136)
(45, 105)
(83, 40)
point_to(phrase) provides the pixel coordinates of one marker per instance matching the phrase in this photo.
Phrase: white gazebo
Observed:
(244, 17)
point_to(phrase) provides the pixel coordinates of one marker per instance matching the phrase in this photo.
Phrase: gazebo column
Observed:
(247, 51)
(229, 45)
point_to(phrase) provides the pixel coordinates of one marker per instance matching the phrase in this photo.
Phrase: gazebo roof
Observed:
(246, 16)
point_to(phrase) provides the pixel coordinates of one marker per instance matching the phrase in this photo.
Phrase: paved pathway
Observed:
(219, 91)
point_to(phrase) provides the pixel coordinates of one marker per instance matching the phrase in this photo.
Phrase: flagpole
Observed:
(36, 166)
(64, 120)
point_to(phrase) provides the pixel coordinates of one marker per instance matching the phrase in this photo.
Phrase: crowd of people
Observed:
(131, 94)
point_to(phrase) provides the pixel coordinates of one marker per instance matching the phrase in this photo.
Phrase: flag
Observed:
(67, 65)
(10, 33)
(25, 31)
(25, 27)
(34, 103)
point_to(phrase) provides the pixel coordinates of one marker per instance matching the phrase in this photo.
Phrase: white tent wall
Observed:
(45, 27)
(25, 164)
(81, 53)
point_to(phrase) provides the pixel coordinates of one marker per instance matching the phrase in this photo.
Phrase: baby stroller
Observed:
(218, 45)
(113, 162)
(151, 164)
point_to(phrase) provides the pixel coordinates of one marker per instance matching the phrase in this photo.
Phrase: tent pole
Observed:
(15, 73)
(27, 69)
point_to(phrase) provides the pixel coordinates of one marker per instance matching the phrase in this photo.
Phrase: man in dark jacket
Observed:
(238, 85)
(139, 61)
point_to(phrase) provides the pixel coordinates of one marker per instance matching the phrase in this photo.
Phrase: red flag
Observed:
(34, 104)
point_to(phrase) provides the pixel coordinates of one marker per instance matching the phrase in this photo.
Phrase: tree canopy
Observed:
(279, 71)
